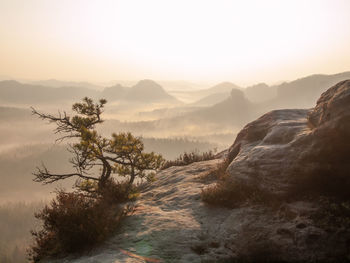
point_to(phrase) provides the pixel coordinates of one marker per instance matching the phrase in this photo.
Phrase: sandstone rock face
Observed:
(330, 123)
(266, 150)
(280, 144)
(172, 224)
(333, 107)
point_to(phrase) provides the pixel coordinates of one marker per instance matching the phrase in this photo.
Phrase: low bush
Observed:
(220, 172)
(227, 192)
(188, 158)
(116, 193)
(74, 222)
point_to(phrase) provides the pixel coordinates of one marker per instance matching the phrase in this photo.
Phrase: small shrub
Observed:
(230, 193)
(116, 193)
(188, 158)
(113, 192)
(221, 169)
(73, 223)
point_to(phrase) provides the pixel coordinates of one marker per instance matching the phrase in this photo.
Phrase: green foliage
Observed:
(131, 148)
(188, 158)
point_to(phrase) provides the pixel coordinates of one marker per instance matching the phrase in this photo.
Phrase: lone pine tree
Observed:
(121, 155)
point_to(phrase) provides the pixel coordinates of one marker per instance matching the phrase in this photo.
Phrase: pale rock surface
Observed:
(273, 149)
(267, 149)
(173, 225)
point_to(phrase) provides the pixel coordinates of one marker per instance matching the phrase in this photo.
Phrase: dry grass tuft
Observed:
(188, 158)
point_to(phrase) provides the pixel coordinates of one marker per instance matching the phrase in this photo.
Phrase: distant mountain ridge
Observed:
(12, 91)
(300, 93)
(212, 99)
(235, 109)
(304, 91)
(146, 91)
(219, 88)
(238, 109)
(260, 92)
(54, 83)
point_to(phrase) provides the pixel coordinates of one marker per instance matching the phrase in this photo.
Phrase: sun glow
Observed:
(241, 41)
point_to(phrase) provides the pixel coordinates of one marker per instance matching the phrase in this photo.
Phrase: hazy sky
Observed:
(243, 41)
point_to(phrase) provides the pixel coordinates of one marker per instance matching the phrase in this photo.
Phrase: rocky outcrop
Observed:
(267, 149)
(172, 224)
(283, 144)
(333, 107)
(169, 223)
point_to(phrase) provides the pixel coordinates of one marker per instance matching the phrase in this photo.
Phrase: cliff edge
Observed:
(282, 153)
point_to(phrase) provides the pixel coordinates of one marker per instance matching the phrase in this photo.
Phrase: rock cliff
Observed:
(172, 224)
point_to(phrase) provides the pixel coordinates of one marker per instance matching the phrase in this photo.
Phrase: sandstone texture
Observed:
(172, 224)
(282, 144)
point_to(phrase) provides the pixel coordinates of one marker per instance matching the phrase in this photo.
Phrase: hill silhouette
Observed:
(146, 91)
(116, 92)
(212, 99)
(223, 87)
(54, 83)
(304, 91)
(12, 91)
(260, 92)
(235, 109)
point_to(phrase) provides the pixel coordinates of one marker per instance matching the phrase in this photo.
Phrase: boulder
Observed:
(283, 145)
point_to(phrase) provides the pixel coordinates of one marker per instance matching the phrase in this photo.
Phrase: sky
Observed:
(245, 41)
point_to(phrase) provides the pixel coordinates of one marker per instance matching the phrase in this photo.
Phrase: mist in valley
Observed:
(166, 124)
(182, 76)
(207, 120)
